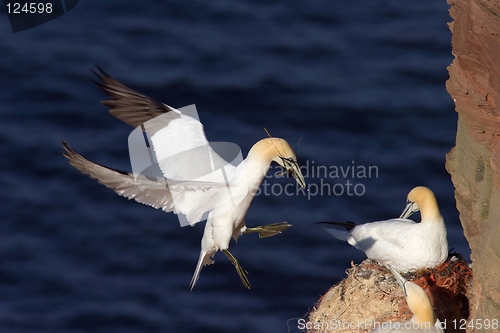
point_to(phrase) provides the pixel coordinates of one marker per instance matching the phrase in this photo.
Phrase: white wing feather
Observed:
(171, 196)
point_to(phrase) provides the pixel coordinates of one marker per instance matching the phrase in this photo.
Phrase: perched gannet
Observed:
(402, 243)
(424, 319)
(181, 149)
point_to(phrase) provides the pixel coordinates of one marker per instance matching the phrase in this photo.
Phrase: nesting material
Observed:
(370, 294)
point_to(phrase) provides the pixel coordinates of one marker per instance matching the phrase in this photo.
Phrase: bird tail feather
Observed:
(339, 234)
(205, 259)
(348, 225)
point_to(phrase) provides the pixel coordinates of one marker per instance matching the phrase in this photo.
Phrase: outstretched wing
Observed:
(129, 105)
(156, 193)
(180, 145)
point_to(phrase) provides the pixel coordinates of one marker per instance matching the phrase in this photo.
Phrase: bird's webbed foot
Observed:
(241, 272)
(269, 230)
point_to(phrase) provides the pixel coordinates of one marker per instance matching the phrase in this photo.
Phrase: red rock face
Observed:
(474, 163)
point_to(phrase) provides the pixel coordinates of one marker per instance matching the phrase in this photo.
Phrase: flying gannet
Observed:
(181, 150)
(424, 319)
(402, 243)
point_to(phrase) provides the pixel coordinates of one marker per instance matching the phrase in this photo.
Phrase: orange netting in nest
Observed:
(370, 292)
(447, 286)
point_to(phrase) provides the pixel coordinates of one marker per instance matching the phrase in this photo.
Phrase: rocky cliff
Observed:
(474, 163)
(474, 166)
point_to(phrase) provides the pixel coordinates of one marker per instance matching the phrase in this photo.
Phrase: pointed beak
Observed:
(401, 280)
(411, 207)
(297, 175)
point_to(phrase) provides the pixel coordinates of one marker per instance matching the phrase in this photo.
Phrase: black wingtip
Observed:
(68, 150)
(102, 84)
(100, 73)
(66, 145)
(349, 225)
(336, 223)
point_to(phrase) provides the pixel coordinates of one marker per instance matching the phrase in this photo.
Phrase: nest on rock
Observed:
(370, 294)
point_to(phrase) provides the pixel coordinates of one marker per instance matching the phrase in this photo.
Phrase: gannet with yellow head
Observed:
(181, 150)
(402, 243)
(424, 318)
(221, 227)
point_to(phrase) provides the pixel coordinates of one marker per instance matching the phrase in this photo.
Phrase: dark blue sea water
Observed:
(362, 83)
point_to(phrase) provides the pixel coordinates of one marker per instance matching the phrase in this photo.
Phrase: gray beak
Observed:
(411, 207)
(401, 280)
(297, 175)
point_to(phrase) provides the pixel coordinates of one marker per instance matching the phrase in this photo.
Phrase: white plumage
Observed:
(402, 243)
(196, 179)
